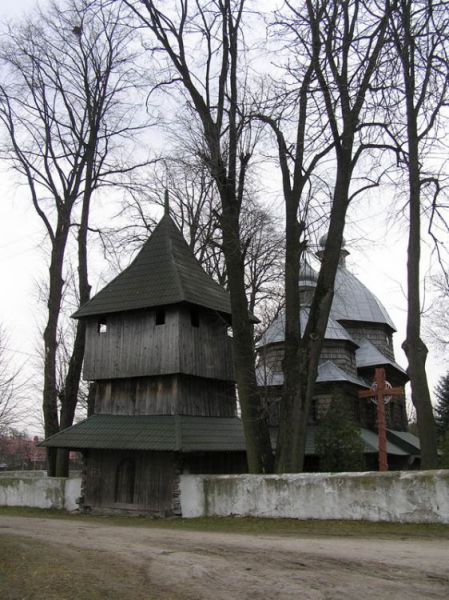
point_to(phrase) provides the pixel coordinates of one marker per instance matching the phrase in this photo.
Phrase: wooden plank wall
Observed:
(133, 345)
(205, 350)
(154, 481)
(166, 395)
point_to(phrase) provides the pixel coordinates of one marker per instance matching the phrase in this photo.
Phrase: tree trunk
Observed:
(50, 391)
(254, 419)
(72, 382)
(414, 347)
(312, 339)
(291, 363)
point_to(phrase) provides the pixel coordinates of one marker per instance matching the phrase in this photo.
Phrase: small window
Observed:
(160, 316)
(194, 317)
(102, 325)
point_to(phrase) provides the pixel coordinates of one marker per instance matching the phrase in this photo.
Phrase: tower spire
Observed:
(166, 203)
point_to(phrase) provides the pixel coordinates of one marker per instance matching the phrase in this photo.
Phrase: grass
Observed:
(254, 526)
(34, 570)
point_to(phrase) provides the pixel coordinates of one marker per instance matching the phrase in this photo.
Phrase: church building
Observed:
(159, 355)
(358, 339)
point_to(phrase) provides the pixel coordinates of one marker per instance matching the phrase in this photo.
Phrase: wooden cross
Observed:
(380, 390)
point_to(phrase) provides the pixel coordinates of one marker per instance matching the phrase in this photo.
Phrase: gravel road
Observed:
(190, 565)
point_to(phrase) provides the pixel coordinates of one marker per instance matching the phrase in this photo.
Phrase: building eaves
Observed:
(152, 432)
(275, 333)
(328, 372)
(371, 443)
(406, 440)
(367, 355)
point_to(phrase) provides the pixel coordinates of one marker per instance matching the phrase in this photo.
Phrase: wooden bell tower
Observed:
(159, 354)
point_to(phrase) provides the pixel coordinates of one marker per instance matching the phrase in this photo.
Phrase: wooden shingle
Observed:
(164, 272)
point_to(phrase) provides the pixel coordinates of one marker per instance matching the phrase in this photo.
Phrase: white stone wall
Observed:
(35, 489)
(399, 496)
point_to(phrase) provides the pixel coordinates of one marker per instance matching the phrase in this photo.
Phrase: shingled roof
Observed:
(153, 432)
(165, 271)
(190, 434)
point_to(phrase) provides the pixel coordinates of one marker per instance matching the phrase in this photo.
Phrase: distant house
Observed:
(18, 451)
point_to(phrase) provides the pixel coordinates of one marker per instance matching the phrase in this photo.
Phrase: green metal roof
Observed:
(192, 434)
(165, 271)
(369, 439)
(156, 432)
(406, 440)
(371, 444)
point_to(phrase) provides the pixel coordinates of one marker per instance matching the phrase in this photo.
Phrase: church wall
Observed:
(147, 482)
(396, 415)
(340, 392)
(198, 396)
(271, 357)
(341, 354)
(131, 344)
(166, 395)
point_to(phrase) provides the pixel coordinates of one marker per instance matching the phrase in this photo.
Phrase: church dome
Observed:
(353, 302)
(323, 239)
(307, 275)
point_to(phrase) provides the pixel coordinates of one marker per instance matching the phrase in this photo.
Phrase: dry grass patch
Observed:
(34, 570)
(251, 525)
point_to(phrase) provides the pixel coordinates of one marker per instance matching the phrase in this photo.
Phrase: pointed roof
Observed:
(165, 271)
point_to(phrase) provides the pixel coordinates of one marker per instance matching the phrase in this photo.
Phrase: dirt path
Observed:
(204, 566)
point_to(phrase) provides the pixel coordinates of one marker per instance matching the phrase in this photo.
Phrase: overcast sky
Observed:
(376, 241)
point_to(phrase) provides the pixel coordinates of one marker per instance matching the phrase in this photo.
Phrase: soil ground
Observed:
(197, 565)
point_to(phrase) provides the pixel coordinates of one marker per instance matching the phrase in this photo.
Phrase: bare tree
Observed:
(438, 316)
(420, 34)
(293, 113)
(12, 387)
(342, 42)
(214, 88)
(64, 106)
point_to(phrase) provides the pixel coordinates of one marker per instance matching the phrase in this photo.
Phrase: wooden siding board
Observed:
(134, 346)
(166, 395)
(155, 477)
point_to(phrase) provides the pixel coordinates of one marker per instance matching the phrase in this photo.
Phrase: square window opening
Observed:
(194, 317)
(160, 316)
(102, 326)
